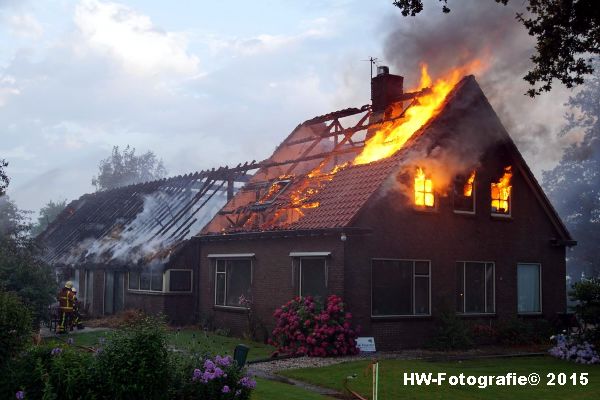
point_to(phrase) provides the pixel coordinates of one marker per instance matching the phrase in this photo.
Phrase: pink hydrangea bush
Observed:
(307, 327)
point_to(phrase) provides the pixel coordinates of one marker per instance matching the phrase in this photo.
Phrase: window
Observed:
(179, 280)
(89, 287)
(232, 280)
(475, 283)
(313, 277)
(464, 194)
(400, 287)
(529, 288)
(149, 280)
(501, 193)
(424, 196)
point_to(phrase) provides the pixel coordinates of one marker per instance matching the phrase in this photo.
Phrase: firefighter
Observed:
(76, 307)
(66, 302)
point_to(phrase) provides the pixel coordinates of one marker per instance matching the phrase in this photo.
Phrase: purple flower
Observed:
(20, 395)
(223, 361)
(218, 372)
(56, 351)
(208, 364)
(247, 382)
(197, 374)
(225, 389)
(238, 392)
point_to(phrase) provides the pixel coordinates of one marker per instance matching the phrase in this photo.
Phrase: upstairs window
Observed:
(400, 287)
(232, 281)
(475, 283)
(501, 193)
(464, 194)
(424, 196)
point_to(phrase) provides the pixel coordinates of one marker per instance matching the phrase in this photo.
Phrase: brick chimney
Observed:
(386, 88)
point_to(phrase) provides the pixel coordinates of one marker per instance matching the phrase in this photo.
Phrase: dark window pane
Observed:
(134, 280)
(421, 295)
(392, 287)
(464, 194)
(460, 290)
(145, 280)
(157, 281)
(474, 287)
(220, 290)
(421, 268)
(180, 281)
(221, 265)
(238, 281)
(313, 277)
(489, 282)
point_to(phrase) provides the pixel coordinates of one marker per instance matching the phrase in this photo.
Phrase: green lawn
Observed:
(392, 372)
(186, 339)
(269, 390)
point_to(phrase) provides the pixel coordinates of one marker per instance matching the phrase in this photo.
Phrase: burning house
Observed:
(130, 247)
(414, 205)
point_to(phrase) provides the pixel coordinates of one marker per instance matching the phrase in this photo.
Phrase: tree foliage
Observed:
(48, 213)
(125, 168)
(4, 179)
(574, 184)
(567, 34)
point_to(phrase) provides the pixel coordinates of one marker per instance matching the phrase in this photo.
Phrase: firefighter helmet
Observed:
(69, 285)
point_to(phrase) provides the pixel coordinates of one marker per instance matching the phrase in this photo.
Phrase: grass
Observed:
(186, 339)
(392, 372)
(269, 390)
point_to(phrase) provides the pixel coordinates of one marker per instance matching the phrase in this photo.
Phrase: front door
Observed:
(113, 292)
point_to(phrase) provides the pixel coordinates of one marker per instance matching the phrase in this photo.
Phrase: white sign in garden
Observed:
(366, 344)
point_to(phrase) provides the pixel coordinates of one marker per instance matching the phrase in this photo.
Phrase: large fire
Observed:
(423, 190)
(468, 188)
(392, 136)
(501, 193)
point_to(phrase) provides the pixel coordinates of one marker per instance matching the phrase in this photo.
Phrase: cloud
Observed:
(25, 25)
(132, 38)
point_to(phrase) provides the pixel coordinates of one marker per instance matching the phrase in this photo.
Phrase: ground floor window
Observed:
(529, 288)
(475, 283)
(232, 281)
(313, 277)
(178, 280)
(149, 280)
(89, 287)
(400, 287)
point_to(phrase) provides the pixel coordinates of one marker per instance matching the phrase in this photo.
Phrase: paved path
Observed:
(45, 332)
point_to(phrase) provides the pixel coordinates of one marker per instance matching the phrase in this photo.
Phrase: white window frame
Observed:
(413, 315)
(139, 290)
(228, 258)
(474, 195)
(464, 307)
(540, 284)
(167, 280)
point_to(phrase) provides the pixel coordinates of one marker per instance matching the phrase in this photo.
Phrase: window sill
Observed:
(476, 315)
(157, 293)
(501, 217)
(385, 318)
(530, 314)
(232, 309)
(466, 214)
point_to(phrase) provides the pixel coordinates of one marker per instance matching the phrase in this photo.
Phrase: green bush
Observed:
(135, 361)
(452, 333)
(519, 331)
(587, 295)
(15, 326)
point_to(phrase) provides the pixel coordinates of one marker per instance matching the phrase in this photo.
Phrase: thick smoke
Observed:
(489, 32)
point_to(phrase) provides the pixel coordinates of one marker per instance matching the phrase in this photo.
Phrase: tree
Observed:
(21, 270)
(574, 184)
(126, 168)
(567, 33)
(4, 180)
(48, 213)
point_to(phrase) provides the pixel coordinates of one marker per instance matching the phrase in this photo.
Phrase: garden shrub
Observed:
(307, 327)
(571, 349)
(483, 334)
(587, 295)
(452, 333)
(15, 326)
(519, 331)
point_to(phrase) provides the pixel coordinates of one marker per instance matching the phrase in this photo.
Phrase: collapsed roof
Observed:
(141, 223)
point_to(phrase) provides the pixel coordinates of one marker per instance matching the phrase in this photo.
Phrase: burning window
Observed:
(232, 281)
(313, 277)
(475, 283)
(501, 193)
(464, 193)
(400, 287)
(424, 196)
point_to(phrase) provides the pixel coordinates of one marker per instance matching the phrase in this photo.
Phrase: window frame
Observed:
(464, 276)
(325, 266)
(473, 196)
(424, 207)
(234, 257)
(413, 315)
(509, 200)
(167, 280)
(140, 290)
(539, 265)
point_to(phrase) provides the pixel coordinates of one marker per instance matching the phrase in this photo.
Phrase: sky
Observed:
(204, 84)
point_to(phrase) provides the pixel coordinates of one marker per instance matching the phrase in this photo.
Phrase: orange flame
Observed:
(501, 193)
(468, 188)
(423, 190)
(392, 136)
